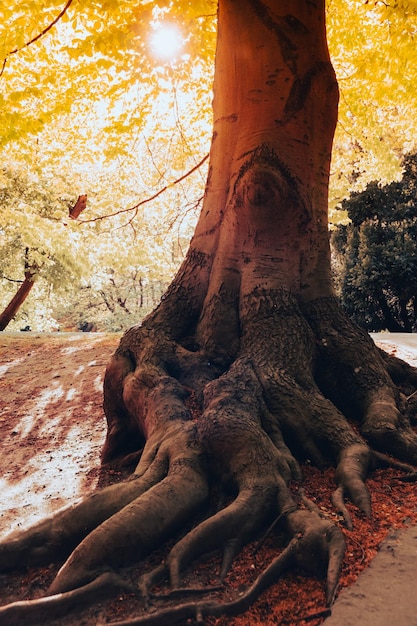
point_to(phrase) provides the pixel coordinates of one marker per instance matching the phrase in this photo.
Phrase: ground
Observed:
(52, 428)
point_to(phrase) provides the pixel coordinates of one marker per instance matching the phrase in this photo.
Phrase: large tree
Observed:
(251, 331)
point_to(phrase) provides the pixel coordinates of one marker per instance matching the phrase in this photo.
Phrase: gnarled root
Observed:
(317, 548)
(355, 377)
(299, 382)
(55, 537)
(138, 528)
(54, 607)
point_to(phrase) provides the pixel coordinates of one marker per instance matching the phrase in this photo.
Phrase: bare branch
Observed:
(155, 195)
(41, 34)
(11, 280)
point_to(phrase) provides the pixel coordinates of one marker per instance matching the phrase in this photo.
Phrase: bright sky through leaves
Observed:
(114, 100)
(166, 42)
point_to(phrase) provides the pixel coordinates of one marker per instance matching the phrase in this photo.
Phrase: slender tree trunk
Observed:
(18, 299)
(414, 305)
(404, 315)
(140, 281)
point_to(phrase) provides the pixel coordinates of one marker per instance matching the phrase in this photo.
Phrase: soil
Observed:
(52, 428)
(52, 424)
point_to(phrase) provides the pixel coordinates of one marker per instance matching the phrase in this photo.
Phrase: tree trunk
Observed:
(18, 299)
(404, 315)
(251, 333)
(140, 281)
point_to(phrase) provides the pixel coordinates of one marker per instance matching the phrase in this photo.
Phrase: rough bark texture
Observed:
(250, 330)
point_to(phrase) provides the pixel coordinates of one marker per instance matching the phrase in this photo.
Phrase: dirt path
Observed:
(52, 424)
(384, 593)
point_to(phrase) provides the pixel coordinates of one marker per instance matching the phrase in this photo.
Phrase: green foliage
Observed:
(102, 117)
(32, 221)
(71, 256)
(376, 255)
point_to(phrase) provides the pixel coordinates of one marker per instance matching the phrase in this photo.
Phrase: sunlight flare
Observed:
(166, 41)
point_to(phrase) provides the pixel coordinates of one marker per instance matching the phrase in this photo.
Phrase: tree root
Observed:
(314, 538)
(294, 555)
(316, 396)
(57, 606)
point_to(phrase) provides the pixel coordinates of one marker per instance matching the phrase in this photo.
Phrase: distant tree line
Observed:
(121, 300)
(56, 273)
(375, 255)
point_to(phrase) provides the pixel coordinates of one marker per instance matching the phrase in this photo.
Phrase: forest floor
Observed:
(52, 428)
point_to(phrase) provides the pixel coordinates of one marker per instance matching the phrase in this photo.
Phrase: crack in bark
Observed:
(300, 91)
(288, 48)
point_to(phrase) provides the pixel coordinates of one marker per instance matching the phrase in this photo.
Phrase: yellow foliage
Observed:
(88, 108)
(99, 52)
(373, 47)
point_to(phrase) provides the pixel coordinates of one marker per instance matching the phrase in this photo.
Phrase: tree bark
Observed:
(18, 299)
(75, 211)
(249, 332)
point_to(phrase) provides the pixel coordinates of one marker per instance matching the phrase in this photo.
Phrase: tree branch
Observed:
(11, 280)
(41, 34)
(155, 195)
(78, 207)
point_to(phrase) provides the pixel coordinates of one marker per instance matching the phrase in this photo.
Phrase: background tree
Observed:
(39, 248)
(111, 299)
(102, 139)
(34, 211)
(377, 254)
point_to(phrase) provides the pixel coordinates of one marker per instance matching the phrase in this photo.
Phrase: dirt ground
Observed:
(52, 428)
(52, 424)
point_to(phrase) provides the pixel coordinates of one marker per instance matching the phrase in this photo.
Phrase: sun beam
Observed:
(166, 42)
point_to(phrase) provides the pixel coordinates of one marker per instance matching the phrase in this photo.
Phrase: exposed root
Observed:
(314, 396)
(229, 530)
(199, 610)
(402, 373)
(301, 553)
(56, 537)
(354, 375)
(138, 528)
(54, 607)
(276, 521)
